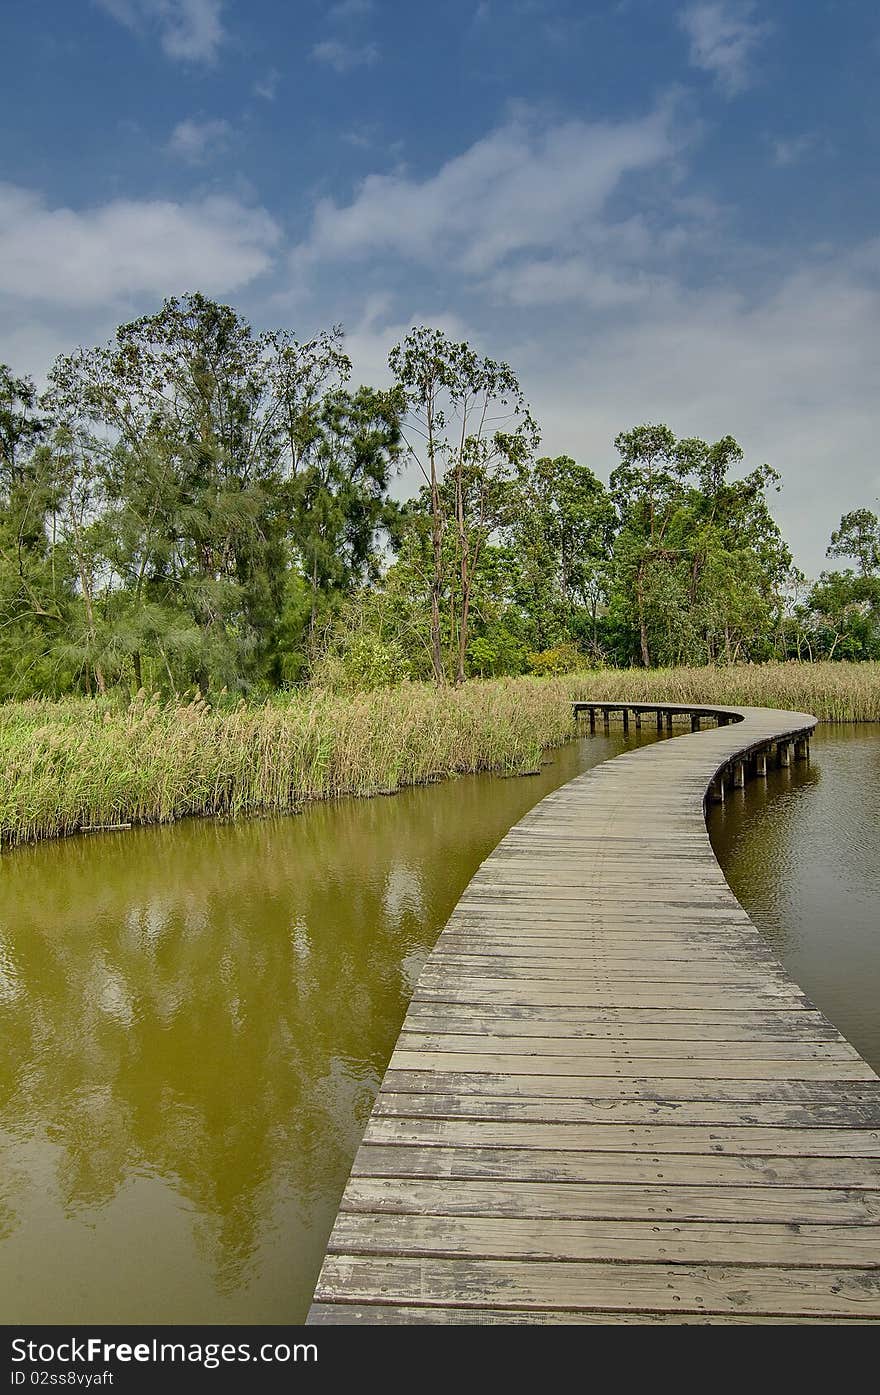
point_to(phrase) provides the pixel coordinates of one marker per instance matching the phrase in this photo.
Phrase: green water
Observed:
(802, 853)
(193, 1023)
(194, 1020)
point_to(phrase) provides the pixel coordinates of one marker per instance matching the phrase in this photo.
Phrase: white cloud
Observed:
(195, 141)
(791, 151)
(346, 49)
(579, 253)
(66, 258)
(267, 87)
(723, 36)
(789, 373)
(518, 190)
(343, 57)
(189, 30)
(347, 10)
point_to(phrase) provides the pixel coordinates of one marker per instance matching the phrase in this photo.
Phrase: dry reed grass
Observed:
(75, 764)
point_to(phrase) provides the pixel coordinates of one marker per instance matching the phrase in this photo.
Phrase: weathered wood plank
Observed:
(409, 1314)
(670, 1242)
(533, 1164)
(582, 1201)
(771, 1113)
(612, 1287)
(625, 1049)
(609, 1088)
(644, 1138)
(669, 1068)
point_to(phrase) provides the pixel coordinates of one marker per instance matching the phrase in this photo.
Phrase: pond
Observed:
(194, 1019)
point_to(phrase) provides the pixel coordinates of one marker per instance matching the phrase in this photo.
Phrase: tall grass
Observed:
(77, 764)
(834, 692)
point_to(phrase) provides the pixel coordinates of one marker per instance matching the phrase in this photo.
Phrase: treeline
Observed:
(196, 505)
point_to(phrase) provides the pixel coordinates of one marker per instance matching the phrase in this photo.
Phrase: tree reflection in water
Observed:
(194, 1021)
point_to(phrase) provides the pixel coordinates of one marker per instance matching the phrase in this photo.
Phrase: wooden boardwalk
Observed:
(609, 1102)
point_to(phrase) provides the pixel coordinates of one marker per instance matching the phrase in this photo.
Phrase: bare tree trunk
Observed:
(463, 632)
(643, 628)
(464, 573)
(313, 615)
(437, 580)
(87, 599)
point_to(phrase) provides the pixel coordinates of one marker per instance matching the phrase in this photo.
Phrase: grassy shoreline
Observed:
(76, 764)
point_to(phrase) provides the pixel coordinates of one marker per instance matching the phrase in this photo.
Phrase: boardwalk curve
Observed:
(608, 1101)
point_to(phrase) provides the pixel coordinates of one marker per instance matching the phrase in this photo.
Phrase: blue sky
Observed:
(654, 211)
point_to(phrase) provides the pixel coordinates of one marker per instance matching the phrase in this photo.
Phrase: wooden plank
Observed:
(490, 1082)
(548, 1109)
(633, 1023)
(612, 1287)
(442, 1196)
(627, 1048)
(409, 1314)
(534, 1164)
(644, 1138)
(731, 1068)
(688, 1242)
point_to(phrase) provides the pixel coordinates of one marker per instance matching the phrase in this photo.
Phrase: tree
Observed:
(339, 492)
(699, 563)
(647, 489)
(858, 536)
(199, 426)
(36, 593)
(468, 428)
(563, 534)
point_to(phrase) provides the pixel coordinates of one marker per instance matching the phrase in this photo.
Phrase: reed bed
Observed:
(834, 692)
(81, 764)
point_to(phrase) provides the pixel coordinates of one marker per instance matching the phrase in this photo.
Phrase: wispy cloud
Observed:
(196, 141)
(67, 257)
(792, 150)
(347, 10)
(344, 57)
(511, 196)
(723, 37)
(267, 87)
(347, 48)
(189, 31)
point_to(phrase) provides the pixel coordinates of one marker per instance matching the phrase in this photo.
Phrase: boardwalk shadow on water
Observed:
(194, 1021)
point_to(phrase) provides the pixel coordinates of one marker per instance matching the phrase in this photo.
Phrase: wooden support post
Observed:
(716, 789)
(659, 720)
(802, 748)
(625, 714)
(783, 752)
(761, 764)
(695, 721)
(638, 716)
(669, 721)
(605, 719)
(739, 775)
(592, 721)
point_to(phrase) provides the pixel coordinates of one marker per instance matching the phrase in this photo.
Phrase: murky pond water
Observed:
(193, 1023)
(194, 1020)
(802, 853)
